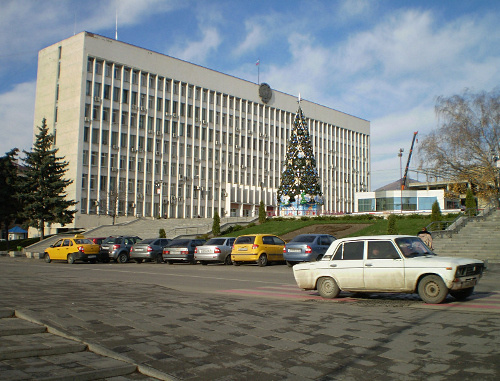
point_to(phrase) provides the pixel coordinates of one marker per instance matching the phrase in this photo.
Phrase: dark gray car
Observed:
(215, 250)
(149, 249)
(307, 248)
(181, 250)
(117, 248)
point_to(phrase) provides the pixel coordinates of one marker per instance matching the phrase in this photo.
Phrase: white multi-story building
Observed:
(149, 135)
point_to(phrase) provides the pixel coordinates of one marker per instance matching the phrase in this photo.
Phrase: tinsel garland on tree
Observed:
(299, 178)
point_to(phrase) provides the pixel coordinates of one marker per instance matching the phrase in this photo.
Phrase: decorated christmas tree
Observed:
(299, 192)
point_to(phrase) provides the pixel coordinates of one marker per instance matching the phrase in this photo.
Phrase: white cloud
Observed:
(16, 117)
(351, 8)
(197, 51)
(256, 36)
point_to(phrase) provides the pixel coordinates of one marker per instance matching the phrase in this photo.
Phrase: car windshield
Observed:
(83, 241)
(179, 242)
(113, 240)
(303, 238)
(216, 241)
(413, 247)
(245, 240)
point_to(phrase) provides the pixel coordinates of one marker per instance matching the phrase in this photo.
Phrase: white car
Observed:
(391, 263)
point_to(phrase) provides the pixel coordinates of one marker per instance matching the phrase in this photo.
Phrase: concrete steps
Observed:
(147, 228)
(479, 238)
(29, 351)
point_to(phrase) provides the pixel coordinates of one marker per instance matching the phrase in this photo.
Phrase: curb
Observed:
(98, 349)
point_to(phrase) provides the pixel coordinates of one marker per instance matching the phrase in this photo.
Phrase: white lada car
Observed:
(394, 263)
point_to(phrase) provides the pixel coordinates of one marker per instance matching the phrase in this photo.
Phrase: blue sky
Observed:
(384, 61)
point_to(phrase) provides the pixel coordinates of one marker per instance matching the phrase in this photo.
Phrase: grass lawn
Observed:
(279, 226)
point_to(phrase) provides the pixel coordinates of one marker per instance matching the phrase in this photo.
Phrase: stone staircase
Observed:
(32, 351)
(479, 238)
(147, 228)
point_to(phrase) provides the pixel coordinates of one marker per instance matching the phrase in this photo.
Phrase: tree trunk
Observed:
(42, 229)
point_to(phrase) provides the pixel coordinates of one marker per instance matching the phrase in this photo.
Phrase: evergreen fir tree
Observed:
(43, 189)
(391, 224)
(436, 215)
(9, 186)
(299, 176)
(470, 203)
(216, 224)
(262, 212)
(162, 233)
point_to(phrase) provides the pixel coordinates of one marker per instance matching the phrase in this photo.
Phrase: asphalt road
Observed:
(244, 323)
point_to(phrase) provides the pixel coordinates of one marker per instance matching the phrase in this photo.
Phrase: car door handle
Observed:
(368, 264)
(333, 265)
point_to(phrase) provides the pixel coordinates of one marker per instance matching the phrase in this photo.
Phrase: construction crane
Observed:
(405, 177)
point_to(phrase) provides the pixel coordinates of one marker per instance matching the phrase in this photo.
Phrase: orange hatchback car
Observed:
(260, 248)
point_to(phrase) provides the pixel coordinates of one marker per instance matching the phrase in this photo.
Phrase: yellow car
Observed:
(260, 248)
(73, 249)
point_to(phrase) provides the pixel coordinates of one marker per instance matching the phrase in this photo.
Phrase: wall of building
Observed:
(167, 168)
(388, 201)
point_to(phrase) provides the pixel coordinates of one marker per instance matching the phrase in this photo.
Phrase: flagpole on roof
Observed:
(258, 71)
(116, 23)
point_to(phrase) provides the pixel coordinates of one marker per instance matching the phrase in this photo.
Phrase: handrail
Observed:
(451, 227)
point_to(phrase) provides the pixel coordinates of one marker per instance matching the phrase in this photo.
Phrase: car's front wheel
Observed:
(432, 289)
(262, 261)
(462, 294)
(228, 261)
(328, 288)
(122, 258)
(47, 258)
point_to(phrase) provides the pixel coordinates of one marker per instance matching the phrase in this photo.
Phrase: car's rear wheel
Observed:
(92, 261)
(432, 289)
(290, 264)
(204, 263)
(122, 258)
(328, 288)
(138, 260)
(262, 261)
(159, 259)
(71, 259)
(47, 258)
(236, 263)
(228, 261)
(168, 262)
(462, 294)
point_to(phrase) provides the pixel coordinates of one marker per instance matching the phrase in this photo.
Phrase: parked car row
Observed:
(357, 264)
(257, 248)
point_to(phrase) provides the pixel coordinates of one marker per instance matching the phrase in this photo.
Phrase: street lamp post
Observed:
(400, 155)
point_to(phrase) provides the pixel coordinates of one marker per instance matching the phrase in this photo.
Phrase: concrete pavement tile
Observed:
(404, 368)
(323, 348)
(190, 353)
(307, 372)
(286, 345)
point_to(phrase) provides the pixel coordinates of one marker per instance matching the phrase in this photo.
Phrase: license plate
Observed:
(242, 249)
(91, 256)
(470, 283)
(294, 250)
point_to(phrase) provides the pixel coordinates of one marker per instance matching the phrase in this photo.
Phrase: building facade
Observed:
(148, 135)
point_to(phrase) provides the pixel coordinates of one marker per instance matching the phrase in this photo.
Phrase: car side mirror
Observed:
(51, 246)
